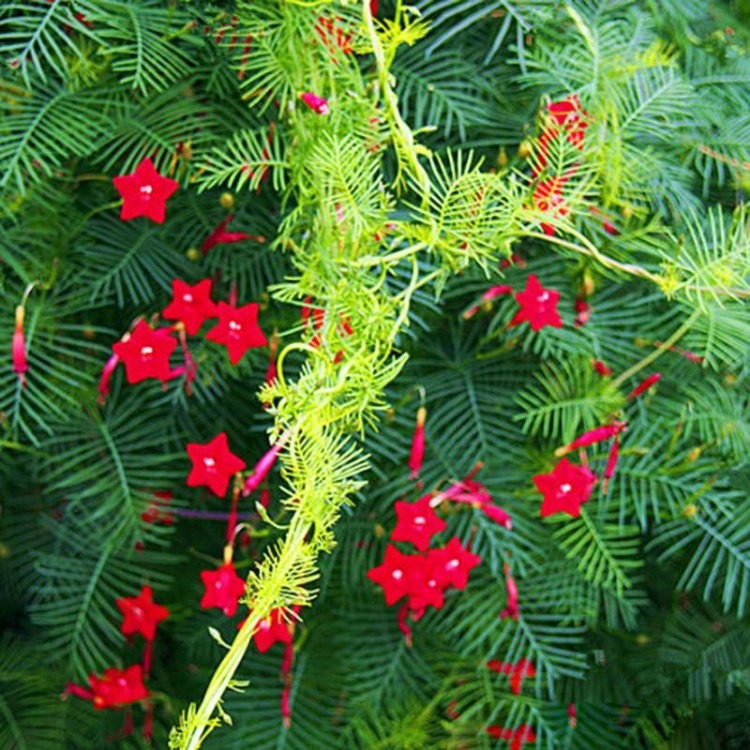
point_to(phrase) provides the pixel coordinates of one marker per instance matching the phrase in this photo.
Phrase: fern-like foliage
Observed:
(42, 128)
(74, 602)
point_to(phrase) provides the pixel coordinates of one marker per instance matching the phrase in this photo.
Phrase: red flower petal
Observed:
(144, 192)
(213, 464)
(237, 329)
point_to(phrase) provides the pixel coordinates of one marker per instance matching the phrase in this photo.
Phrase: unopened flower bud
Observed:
(317, 104)
(18, 347)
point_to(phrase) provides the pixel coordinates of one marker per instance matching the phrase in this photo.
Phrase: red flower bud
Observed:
(601, 368)
(417, 444)
(317, 104)
(18, 347)
(497, 514)
(645, 385)
(572, 715)
(511, 610)
(597, 435)
(261, 469)
(614, 454)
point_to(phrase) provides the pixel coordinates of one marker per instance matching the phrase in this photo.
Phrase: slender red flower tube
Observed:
(261, 469)
(317, 104)
(403, 625)
(572, 715)
(18, 347)
(645, 385)
(286, 678)
(232, 518)
(510, 584)
(614, 454)
(417, 444)
(107, 371)
(497, 514)
(597, 435)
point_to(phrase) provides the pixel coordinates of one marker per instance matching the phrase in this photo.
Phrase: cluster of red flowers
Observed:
(568, 485)
(213, 466)
(145, 351)
(424, 577)
(117, 688)
(566, 120)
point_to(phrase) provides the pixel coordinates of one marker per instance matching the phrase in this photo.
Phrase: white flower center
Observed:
(235, 326)
(420, 521)
(452, 565)
(397, 575)
(147, 351)
(543, 297)
(565, 488)
(187, 297)
(209, 463)
(146, 190)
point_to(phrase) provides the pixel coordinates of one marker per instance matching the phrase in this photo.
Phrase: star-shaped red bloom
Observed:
(417, 523)
(395, 575)
(145, 353)
(427, 585)
(141, 614)
(452, 563)
(538, 306)
(144, 192)
(213, 464)
(191, 304)
(565, 489)
(237, 329)
(274, 629)
(117, 688)
(223, 589)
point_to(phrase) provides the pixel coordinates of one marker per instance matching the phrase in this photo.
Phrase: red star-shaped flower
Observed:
(191, 304)
(237, 329)
(427, 585)
(565, 489)
(141, 614)
(145, 353)
(274, 629)
(395, 575)
(417, 523)
(223, 589)
(118, 688)
(452, 563)
(144, 192)
(538, 306)
(213, 464)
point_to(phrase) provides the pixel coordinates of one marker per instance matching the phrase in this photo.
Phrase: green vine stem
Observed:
(656, 353)
(202, 722)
